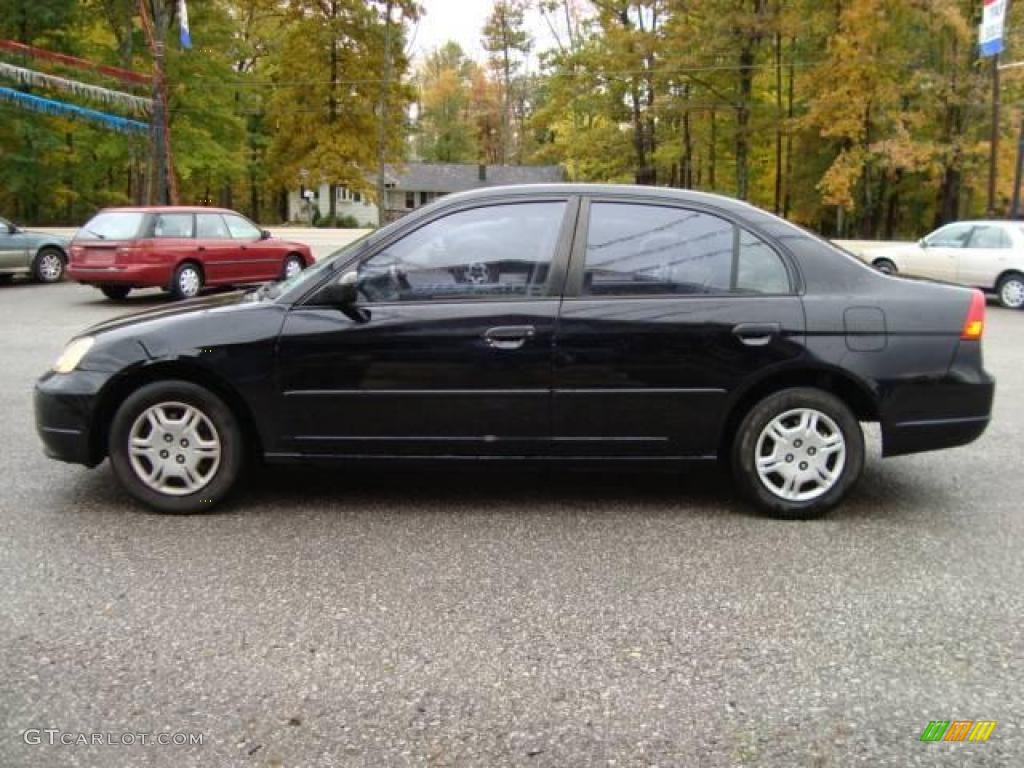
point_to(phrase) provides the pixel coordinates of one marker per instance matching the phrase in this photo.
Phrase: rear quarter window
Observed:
(112, 225)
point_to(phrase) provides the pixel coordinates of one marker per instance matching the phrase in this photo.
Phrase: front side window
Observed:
(496, 252)
(649, 250)
(241, 229)
(115, 225)
(951, 236)
(989, 237)
(211, 226)
(174, 225)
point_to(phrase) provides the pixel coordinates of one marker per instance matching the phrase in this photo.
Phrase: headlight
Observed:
(73, 354)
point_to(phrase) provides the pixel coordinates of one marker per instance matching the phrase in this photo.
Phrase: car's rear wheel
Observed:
(176, 447)
(187, 282)
(797, 453)
(885, 266)
(48, 266)
(116, 292)
(292, 266)
(1011, 291)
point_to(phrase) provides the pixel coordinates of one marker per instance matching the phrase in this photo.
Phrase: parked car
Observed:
(42, 256)
(604, 324)
(988, 255)
(179, 249)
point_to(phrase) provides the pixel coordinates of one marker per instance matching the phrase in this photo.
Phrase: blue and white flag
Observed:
(186, 37)
(993, 24)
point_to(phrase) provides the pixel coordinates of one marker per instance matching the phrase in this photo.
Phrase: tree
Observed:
(508, 43)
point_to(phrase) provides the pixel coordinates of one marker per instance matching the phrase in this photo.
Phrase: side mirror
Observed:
(265, 234)
(13, 229)
(922, 243)
(343, 292)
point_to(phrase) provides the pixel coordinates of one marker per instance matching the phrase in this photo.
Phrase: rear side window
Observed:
(211, 226)
(174, 225)
(241, 229)
(648, 250)
(989, 237)
(113, 225)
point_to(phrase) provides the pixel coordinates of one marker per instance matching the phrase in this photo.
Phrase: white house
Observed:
(412, 185)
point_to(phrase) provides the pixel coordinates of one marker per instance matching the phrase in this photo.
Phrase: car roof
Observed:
(167, 209)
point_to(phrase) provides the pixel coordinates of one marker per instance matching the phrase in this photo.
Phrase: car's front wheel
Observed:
(292, 266)
(187, 282)
(176, 447)
(885, 266)
(1011, 291)
(797, 453)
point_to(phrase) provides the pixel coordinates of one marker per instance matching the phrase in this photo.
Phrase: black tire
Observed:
(293, 258)
(885, 266)
(183, 287)
(49, 265)
(746, 445)
(229, 432)
(116, 292)
(1011, 291)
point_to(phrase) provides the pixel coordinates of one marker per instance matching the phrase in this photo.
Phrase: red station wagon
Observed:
(178, 249)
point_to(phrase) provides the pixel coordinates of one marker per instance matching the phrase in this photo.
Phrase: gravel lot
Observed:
(493, 619)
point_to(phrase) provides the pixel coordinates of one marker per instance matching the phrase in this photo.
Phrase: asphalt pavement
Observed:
(470, 618)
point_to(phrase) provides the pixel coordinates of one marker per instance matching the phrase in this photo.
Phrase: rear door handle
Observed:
(201, 248)
(509, 336)
(756, 334)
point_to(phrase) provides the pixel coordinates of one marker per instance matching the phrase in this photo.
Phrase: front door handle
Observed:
(756, 334)
(509, 336)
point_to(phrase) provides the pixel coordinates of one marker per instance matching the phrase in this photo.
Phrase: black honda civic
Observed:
(571, 324)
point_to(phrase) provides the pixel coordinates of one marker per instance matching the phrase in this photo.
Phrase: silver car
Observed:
(44, 257)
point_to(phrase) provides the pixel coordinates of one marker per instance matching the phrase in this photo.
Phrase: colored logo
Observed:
(958, 730)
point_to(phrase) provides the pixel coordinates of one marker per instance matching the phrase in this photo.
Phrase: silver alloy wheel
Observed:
(51, 266)
(292, 267)
(885, 267)
(174, 449)
(189, 282)
(1011, 294)
(800, 455)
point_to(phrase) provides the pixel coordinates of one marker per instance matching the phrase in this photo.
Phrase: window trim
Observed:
(557, 274)
(577, 264)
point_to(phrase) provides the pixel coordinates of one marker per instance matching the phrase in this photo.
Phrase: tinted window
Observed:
(241, 229)
(174, 225)
(951, 236)
(120, 225)
(646, 250)
(759, 269)
(211, 226)
(497, 252)
(989, 237)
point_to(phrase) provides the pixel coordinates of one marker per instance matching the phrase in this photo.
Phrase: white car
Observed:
(981, 254)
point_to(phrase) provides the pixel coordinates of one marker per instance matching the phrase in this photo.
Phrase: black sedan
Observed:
(583, 325)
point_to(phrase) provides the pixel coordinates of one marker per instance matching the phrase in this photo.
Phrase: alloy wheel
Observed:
(174, 449)
(51, 267)
(800, 455)
(292, 267)
(1011, 294)
(189, 282)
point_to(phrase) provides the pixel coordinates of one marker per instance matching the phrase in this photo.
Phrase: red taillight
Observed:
(974, 325)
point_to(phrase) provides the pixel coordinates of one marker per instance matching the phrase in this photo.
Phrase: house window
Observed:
(410, 200)
(423, 198)
(357, 197)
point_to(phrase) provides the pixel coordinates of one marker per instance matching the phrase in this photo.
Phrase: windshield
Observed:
(115, 225)
(310, 275)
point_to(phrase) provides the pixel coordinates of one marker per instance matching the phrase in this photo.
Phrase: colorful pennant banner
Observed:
(124, 75)
(136, 104)
(63, 109)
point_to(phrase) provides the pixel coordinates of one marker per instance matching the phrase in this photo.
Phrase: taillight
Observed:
(974, 325)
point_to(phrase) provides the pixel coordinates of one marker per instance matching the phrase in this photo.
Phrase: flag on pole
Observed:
(186, 37)
(993, 24)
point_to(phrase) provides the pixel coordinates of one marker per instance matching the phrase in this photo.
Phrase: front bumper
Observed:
(65, 409)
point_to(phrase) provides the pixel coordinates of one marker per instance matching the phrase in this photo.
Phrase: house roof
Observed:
(459, 177)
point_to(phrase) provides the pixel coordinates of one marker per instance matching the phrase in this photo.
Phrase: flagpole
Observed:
(163, 184)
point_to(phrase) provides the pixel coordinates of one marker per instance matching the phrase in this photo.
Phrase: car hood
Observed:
(225, 302)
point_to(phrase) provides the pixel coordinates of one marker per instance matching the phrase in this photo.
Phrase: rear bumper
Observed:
(64, 408)
(928, 415)
(134, 275)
